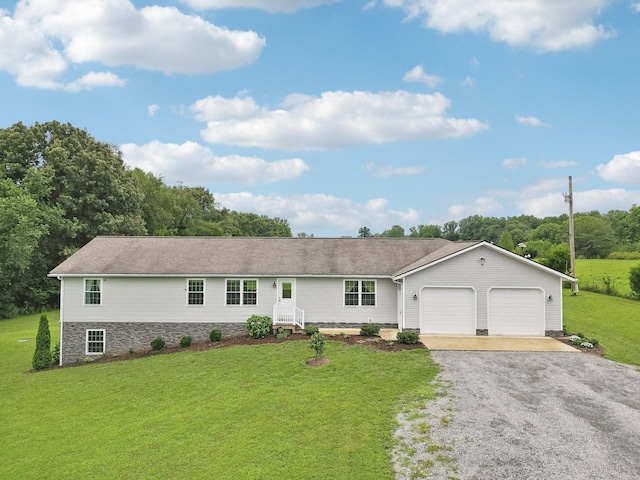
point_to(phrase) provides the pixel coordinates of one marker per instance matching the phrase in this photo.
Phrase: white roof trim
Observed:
(501, 250)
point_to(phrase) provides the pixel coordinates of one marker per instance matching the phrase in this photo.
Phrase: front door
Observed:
(287, 292)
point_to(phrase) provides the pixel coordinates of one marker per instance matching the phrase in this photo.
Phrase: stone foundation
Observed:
(120, 337)
(350, 325)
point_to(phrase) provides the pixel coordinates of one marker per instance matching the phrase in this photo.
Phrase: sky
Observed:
(339, 114)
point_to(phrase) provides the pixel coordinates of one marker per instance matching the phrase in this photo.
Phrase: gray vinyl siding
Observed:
(497, 270)
(164, 299)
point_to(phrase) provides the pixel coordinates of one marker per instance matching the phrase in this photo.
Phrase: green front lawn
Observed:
(613, 321)
(232, 413)
(593, 272)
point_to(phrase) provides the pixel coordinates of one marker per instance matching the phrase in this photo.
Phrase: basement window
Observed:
(95, 342)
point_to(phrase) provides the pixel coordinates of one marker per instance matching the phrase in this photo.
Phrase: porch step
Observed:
(291, 328)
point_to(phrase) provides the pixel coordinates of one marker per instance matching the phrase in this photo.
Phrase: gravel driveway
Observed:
(521, 415)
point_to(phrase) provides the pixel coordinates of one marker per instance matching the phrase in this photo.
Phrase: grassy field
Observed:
(592, 272)
(613, 321)
(239, 412)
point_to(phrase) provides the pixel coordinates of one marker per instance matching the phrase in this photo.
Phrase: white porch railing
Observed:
(288, 315)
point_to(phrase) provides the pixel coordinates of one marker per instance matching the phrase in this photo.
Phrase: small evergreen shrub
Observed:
(409, 338)
(55, 354)
(369, 330)
(42, 355)
(185, 341)
(634, 280)
(157, 343)
(259, 327)
(215, 335)
(317, 343)
(311, 329)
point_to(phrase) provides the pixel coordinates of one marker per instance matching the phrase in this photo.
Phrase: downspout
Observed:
(61, 315)
(400, 327)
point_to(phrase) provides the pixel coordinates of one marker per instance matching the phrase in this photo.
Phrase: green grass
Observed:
(238, 412)
(592, 272)
(613, 321)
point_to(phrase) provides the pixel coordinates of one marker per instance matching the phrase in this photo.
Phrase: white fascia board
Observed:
(218, 275)
(501, 250)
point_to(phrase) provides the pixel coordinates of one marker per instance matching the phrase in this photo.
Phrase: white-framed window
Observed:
(95, 342)
(195, 291)
(241, 292)
(360, 293)
(93, 291)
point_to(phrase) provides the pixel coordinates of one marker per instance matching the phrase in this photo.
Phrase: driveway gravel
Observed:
(530, 415)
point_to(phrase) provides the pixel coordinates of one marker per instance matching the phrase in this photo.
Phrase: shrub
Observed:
(410, 338)
(185, 341)
(157, 343)
(55, 354)
(369, 330)
(317, 343)
(282, 333)
(311, 329)
(42, 355)
(634, 280)
(624, 256)
(259, 327)
(215, 335)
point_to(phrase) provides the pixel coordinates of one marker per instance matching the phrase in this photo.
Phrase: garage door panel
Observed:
(516, 311)
(449, 311)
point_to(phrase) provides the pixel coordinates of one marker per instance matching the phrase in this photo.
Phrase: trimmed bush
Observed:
(369, 330)
(282, 333)
(311, 329)
(42, 355)
(409, 338)
(185, 341)
(215, 335)
(55, 354)
(157, 343)
(317, 343)
(259, 327)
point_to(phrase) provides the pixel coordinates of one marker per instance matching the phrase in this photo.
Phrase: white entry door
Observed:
(287, 292)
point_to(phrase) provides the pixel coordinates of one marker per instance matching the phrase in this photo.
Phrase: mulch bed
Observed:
(597, 350)
(246, 340)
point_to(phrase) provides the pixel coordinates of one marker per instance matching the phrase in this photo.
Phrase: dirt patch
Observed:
(317, 361)
(245, 340)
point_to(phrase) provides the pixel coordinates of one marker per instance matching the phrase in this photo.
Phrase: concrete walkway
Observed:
(471, 343)
(503, 344)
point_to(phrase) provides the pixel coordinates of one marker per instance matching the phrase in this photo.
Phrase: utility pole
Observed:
(568, 198)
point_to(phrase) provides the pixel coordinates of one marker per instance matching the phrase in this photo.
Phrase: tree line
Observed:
(60, 187)
(615, 234)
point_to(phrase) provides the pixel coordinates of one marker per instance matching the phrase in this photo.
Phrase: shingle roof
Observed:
(254, 256)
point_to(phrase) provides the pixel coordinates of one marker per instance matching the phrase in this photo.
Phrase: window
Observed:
(95, 341)
(242, 292)
(360, 293)
(195, 292)
(92, 291)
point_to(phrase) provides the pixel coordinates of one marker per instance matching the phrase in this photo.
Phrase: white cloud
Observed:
(623, 168)
(319, 213)
(47, 37)
(542, 24)
(529, 121)
(273, 6)
(370, 5)
(334, 120)
(153, 109)
(558, 164)
(636, 7)
(417, 74)
(485, 205)
(475, 63)
(95, 79)
(513, 163)
(469, 81)
(583, 201)
(192, 163)
(389, 171)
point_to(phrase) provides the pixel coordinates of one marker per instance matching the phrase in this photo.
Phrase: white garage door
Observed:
(447, 311)
(516, 311)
